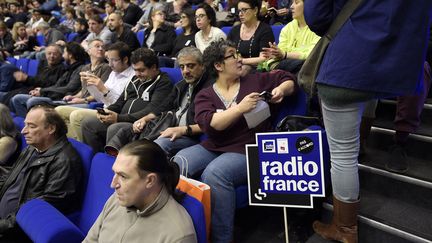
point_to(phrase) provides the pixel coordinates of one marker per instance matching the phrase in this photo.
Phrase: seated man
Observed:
(47, 74)
(144, 207)
(49, 169)
(146, 91)
(181, 101)
(122, 32)
(69, 83)
(118, 56)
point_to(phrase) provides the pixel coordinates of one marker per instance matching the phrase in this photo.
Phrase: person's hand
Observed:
(138, 125)
(136, 28)
(173, 132)
(20, 76)
(277, 95)
(177, 24)
(108, 119)
(76, 100)
(282, 11)
(37, 48)
(68, 98)
(273, 51)
(61, 42)
(248, 103)
(35, 92)
(96, 81)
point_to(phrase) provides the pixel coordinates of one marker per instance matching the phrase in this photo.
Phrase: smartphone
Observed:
(101, 111)
(266, 95)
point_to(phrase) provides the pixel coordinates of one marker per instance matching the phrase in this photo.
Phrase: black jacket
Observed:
(54, 176)
(68, 83)
(175, 98)
(131, 106)
(163, 43)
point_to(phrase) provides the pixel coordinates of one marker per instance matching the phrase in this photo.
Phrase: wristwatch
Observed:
(188, 130)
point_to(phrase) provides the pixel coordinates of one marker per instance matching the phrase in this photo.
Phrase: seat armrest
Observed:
(45, 224)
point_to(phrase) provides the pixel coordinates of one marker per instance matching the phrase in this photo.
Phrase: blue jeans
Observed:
(22, 102)
(172, 147)
(342, 124)
(223, 172)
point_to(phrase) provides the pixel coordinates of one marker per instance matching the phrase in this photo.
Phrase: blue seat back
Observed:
(11, 60)
(276, 32)
(196, 212)
(40, 39)
(71, 36)
(226, 29)
(140, 36)
(22, 64)
(98, 190)
(173, 73)
(19, 123)
(179, 30)
(86, 154)
(33, 67)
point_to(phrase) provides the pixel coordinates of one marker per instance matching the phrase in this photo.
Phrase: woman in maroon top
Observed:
(219, 111)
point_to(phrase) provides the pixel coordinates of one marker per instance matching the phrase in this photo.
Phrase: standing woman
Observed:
(219, 112)
(159, 36)
(205, 17)
(363, 61)
(252, 35)
(10, 142)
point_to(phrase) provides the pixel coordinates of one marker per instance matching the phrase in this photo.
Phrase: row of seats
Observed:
(27, 65)
(43, 223)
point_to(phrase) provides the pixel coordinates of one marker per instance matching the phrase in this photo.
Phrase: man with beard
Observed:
(121, 32)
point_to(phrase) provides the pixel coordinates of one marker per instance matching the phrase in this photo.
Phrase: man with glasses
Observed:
(118, 57)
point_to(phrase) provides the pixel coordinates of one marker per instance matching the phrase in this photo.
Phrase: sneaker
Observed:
(397, 161)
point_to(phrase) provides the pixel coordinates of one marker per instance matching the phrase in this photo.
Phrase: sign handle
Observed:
(286, 225)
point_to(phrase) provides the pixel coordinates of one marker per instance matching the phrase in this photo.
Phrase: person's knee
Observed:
(215, 175)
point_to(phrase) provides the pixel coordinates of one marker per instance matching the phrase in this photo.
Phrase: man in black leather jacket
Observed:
(49, 169)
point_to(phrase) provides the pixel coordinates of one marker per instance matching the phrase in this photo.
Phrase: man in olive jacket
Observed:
(49, 169)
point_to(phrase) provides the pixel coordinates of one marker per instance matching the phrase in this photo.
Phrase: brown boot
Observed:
(343, 227)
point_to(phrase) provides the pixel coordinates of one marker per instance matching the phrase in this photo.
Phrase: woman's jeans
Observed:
(342, 123)
(223, 172)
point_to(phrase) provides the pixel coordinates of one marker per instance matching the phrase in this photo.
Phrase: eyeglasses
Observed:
(234, 55)
(200, 16)
(243, 10)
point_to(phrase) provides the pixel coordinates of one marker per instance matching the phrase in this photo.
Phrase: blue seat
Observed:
(33, 67)
(94, 105)
(19, 123)
(40, 39)
(71, 36)
(140, 36)
(11, 60)
(22, 64)
(173, 73)
(179, 30)
(226, 29)
(276, 31)
(43, 223)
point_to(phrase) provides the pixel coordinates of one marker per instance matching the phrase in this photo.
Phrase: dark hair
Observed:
(211, 14)
(71, 10)
(190, 13)
(215, 53)
(122, 49)
(151, 158)
(97, 18)
(82, 21)
(7, 126)
(145, 55)
(53, 118)
(112, 4)
(253, 4)
(77, 51)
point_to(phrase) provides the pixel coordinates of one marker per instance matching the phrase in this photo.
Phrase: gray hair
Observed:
(191, 51)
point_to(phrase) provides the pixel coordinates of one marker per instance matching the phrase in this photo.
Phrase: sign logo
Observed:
(286, 169)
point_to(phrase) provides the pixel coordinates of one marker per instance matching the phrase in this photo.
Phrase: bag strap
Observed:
(347, 10)
(184, 164)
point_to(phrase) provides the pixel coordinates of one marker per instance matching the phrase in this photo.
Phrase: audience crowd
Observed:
(111, 54)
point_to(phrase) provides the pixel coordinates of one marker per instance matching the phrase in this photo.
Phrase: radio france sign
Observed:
(285, 169)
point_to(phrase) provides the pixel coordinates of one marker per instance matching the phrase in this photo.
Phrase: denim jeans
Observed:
(223, 172)
(22, 102)
(342, 124)
(172, 147)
